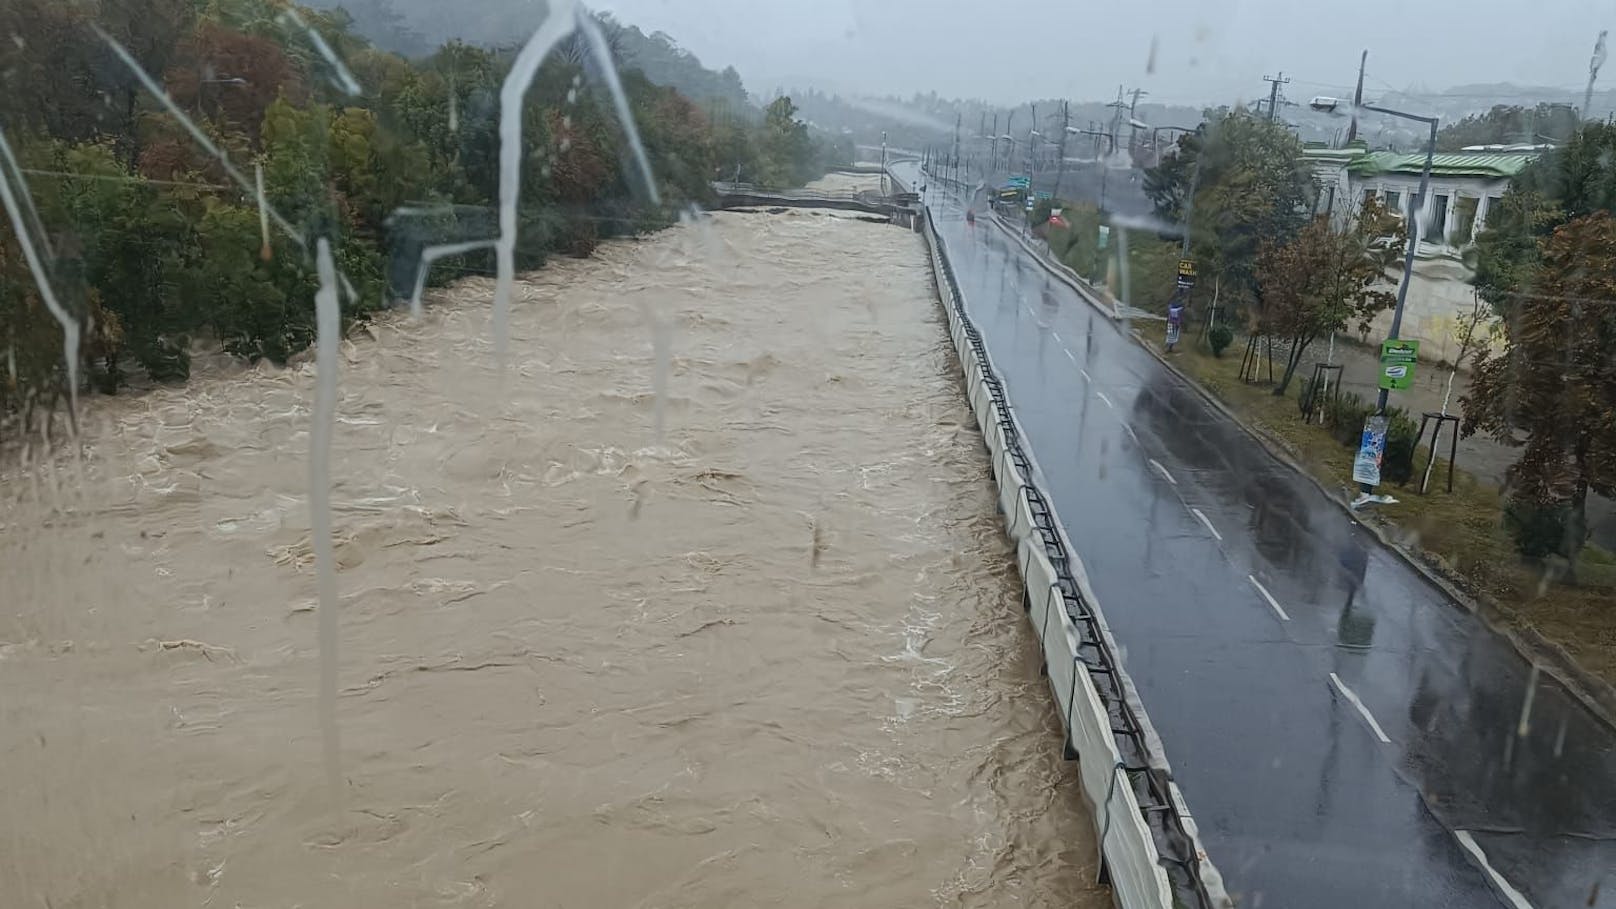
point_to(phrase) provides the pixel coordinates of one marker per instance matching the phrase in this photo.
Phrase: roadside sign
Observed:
(1371, 448)
(1186, 274)
(1105, 236)
(1043, 195)
(1397, 362)
(1019, 182)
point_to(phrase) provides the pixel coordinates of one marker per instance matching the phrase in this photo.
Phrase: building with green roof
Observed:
(1464, 188)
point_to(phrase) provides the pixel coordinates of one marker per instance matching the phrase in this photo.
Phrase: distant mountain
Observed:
(417, 27)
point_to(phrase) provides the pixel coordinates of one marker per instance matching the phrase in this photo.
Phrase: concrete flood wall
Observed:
(1149, 845)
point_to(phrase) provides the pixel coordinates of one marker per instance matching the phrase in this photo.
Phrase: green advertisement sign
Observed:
(1397, 361)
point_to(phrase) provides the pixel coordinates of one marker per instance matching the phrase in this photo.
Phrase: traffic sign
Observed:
(1019, 182)
(1397, 362)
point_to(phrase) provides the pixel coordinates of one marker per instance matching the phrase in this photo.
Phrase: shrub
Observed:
(1397, 466)
(1345, 416)
(1539, 529)
(1220, 337)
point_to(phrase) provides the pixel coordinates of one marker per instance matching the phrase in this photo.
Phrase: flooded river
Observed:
(770, 654)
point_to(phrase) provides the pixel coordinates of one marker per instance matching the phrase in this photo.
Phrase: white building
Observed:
(1464, 188)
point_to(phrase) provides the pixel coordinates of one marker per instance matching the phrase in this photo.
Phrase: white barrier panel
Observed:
(1126, 844)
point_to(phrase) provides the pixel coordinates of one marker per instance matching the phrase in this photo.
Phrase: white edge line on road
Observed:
(1155, 463)
(1352, 696)
(1208, 523)
(1268, 596)
(1085, 373)
(1510, 893)
(1105, 399)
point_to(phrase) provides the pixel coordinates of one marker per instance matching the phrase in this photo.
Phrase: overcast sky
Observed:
(1206, 50)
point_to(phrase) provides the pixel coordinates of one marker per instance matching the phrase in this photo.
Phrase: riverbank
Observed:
(744, 633)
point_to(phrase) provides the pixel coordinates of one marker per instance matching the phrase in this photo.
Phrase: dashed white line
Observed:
(1504, 887)
(1085, 373)
(1057, 337)
(1068, 355)
(1352, 697)
(1131, 434)
(1269, 597)
(1208, 523)
(1105, 399)
(1155, 463)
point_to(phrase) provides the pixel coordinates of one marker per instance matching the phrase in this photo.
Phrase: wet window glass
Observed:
(867, 453)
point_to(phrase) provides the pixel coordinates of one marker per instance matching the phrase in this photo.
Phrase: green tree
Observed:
(1251, 189)
(1564, 184)
(1555, 382)
(1323, 279)
(1510, 124)
(786, 149)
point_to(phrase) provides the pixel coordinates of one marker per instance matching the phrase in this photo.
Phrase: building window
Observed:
(1464, 219)
(1394, 202)
(1437, 231)
(1368, 196)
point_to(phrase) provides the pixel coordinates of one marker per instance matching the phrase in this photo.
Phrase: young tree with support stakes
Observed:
(1323, 280)
(1555, 382)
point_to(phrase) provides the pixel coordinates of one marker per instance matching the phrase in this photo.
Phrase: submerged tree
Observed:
(1555, 382)
(1325, 279)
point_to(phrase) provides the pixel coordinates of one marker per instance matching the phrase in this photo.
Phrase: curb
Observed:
(1591, 691)
(1594, 693)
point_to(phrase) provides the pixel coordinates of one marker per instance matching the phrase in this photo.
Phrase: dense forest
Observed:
(145, 239)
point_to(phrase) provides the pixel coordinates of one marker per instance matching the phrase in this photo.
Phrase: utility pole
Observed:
(1133, 131)
(1060, 168)
(958, 119)
(1357, 98)
(1116, 118)
(1010, 135)
(1032, 133)
(1273, 94)
(1594, 63)
(883, 162)
(993, 157)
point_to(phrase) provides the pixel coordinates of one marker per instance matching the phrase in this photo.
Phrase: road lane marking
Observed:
(1057, 337)
(1131, 434)
(1268, 596)
(1085, 373)
(1105, 399)
(1068, 355)
(1353, 697)
(1504, 887)
(1208, 523)
(1153, 462)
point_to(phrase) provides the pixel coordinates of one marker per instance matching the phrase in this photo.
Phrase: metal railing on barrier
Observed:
(1150, 785)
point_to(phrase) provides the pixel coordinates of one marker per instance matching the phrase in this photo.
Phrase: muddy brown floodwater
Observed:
(773, 657)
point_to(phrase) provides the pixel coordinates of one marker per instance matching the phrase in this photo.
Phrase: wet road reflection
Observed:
(1274, 641)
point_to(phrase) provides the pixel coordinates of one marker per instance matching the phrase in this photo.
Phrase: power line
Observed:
(1273, 93)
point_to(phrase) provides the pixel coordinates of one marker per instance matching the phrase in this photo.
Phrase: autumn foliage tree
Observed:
(1325, 279)
(1554, 383)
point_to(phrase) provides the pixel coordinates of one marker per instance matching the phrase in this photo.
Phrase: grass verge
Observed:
(1459, 534)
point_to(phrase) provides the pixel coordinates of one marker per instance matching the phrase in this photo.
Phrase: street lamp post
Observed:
(1328, 105)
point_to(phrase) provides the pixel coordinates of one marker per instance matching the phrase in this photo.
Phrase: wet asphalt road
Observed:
(1256, 616)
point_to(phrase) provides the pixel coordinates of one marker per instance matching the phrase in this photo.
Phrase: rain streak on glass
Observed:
(857, 454)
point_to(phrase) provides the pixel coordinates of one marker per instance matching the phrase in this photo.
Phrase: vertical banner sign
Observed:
(1371, 448)
(1105, 236)
(1397, 359)
(1186, 274)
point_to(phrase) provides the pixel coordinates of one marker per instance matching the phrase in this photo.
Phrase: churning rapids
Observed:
(773, 655)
